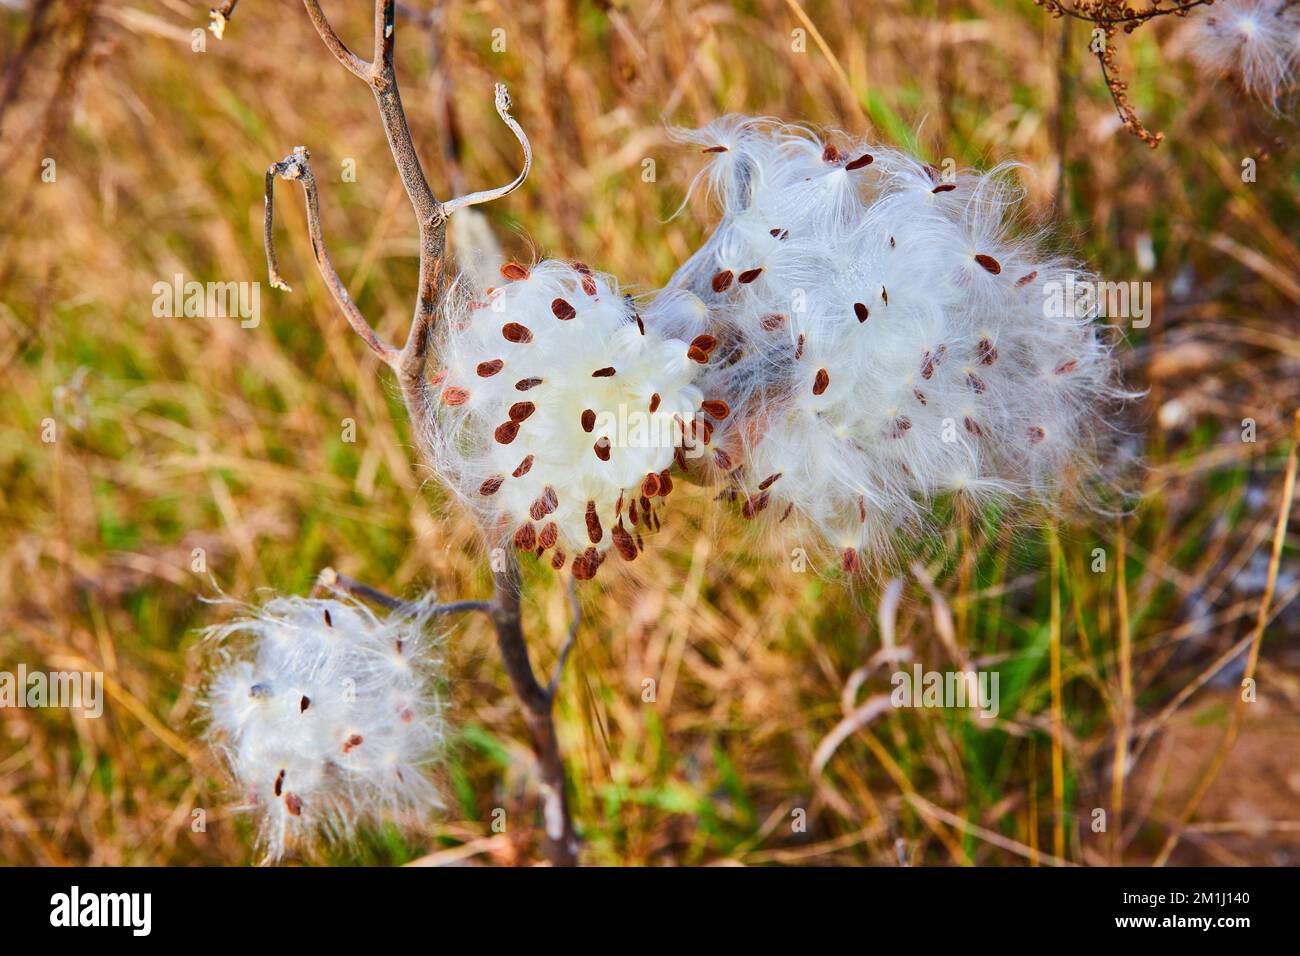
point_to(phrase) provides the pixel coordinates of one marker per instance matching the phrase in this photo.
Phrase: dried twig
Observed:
(1109, 16)
(410, 362)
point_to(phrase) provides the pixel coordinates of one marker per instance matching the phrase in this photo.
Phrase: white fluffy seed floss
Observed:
(327, 715)
(885, 341)
(561, 410)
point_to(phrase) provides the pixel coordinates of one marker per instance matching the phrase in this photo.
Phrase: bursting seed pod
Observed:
(883, 339)
(561, 411)
(327, 715)
(1257, 42)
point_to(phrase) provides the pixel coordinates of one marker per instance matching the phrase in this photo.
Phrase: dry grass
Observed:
(184, 433)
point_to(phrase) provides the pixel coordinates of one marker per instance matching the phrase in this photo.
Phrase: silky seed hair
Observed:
(561, 410)
(1254, 42)
(327, 715)
(893, 342)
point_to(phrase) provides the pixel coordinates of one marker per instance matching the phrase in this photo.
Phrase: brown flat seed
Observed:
(293, 803)
(550, 534)
(697, 354)
(900, 426)
(987, 352)
(989, 264)
(601, 449)
(862, 509)
(524, 384)
(944, 188)
(1036, 434)
(654, 403)
(679, 456)
(633, 512)
(920, 396)
(830, 154)
(849, 560)
(769, 481)
(505, 432)
(589, 285)
(537, 510)
(645, 507)
(492, 485)
(798, 349)
(563, 311)
(748, 276)
(514, 332)
(514, 271)
(772, 321)
(650, 486)
(586, 565)
(822, 379)
(861, 311)
(279, 783)
(788, 508)
(716, 407)
(623, 543)
(973, 427)
(557, 559)
(722, 281)
(606, 372)
(884, 294)
(453, 396)
(976, 383)
(525, 466)
(639, 324)
(519, 411)
(866, 159)
(306, 701)
(716, 149)
(588, 420)
(1069, 365)
(892, 243)
(353, 742)
(488, 369)
(1026, 279)
(705, 343)
(665, 483)
(779, 233)
(753, 506)
(526, 537)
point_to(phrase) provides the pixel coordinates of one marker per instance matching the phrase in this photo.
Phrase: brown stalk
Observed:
(410, 363)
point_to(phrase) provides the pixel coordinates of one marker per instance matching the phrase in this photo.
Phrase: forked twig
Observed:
(410, 362)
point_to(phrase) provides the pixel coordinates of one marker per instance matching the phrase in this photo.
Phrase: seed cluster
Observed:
(326, 715)
(562, 410)
(890, 341)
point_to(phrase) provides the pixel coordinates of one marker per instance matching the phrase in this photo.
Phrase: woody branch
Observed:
(410, 363)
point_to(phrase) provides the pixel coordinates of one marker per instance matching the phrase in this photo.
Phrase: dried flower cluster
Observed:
(327, 715)
(1108, 18)
(561, 410)
(883, 339)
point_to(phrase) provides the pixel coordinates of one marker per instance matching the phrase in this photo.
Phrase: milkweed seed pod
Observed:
(327, 715)
(561, 411)
(1256, 42)
(883, 338)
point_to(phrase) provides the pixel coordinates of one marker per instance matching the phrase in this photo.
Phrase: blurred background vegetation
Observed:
(176, 434)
